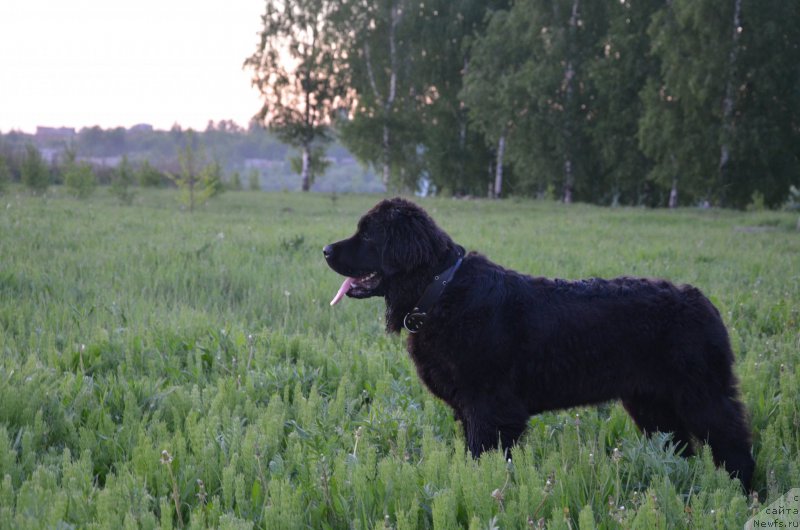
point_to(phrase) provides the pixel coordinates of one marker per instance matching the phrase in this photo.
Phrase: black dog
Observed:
(499, 346)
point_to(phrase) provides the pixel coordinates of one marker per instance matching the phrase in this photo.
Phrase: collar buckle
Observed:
(414, 320)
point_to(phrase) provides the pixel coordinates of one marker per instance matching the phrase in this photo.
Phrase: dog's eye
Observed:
(365, 238)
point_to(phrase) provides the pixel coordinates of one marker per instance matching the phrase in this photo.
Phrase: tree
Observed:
(457, 158)
(681, 126)
(492, 90)
(762, 128)
(379, 38)
(197, 180)
(294, 67)
(618, 75)
(35, 174)
(316, 162)
(528, 85)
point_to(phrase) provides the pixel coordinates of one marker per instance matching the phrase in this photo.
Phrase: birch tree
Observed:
(294, 67)
(492, 91)
(380, 71)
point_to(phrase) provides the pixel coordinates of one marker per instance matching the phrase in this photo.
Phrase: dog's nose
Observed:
(327, 251)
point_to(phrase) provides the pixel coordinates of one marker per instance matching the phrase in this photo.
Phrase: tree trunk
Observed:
(728, 101)
(568, 179)
(305, 174)
(498, 174)
(462, 135)
(673, 194)
(387, 169)
(569, 76)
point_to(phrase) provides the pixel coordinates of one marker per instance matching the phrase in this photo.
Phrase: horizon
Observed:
(92, 63)
(128, 128)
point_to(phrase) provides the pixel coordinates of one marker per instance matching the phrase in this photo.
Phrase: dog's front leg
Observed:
(485, 430)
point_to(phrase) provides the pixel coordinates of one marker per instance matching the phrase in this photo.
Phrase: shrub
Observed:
(756, 202)
(148, 176)
(5, 175)
(121, 180)
(80, 180)
(35, 174)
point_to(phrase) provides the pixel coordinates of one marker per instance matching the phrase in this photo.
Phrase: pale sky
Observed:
(112, 63)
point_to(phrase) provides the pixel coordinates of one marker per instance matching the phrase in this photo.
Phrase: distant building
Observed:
(101, 161)
(51, 155)
(54, 133)
(262, 163)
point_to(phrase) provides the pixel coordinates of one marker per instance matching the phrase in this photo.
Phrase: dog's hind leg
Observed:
(721, 422)
(653, 415)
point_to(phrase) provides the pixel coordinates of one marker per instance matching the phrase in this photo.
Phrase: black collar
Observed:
(415, 319)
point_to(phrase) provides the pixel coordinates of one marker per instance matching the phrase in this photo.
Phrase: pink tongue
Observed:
(346, 284)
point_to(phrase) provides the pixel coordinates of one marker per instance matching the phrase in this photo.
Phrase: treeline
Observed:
(223, 141)
(612, 102)
(251, 157)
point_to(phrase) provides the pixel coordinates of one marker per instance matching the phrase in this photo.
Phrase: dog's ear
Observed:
(412, 239)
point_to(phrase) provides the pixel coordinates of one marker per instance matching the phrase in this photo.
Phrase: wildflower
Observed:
(166, 458)
(616, 455)
(498, 496)
(201, 495)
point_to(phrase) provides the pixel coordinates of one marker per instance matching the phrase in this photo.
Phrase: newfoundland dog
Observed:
(499, 346)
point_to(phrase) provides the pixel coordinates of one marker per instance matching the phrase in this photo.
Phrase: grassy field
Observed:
(160, 369)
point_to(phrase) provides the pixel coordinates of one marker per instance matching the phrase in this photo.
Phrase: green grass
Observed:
(129, 331)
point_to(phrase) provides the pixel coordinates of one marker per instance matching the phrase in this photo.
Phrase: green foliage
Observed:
(317, 164)
(79, 179)
(34, 173)
(121, 181)
(211, 181)
(198, 180)
(756, 202)
(148, 176)
(617, 101)
(277, 411)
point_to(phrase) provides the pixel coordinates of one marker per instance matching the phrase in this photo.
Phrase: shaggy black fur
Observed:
(500, 346)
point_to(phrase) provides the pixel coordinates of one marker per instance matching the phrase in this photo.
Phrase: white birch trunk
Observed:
(569, 75)
(673, 194)
(728, 101)
(305, 174)
(386, 102)
(498, 172)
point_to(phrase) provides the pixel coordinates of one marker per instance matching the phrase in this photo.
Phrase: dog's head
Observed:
(395, 238)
